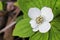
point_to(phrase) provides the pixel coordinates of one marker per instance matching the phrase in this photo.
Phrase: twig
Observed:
(8, 32)
(7, 27)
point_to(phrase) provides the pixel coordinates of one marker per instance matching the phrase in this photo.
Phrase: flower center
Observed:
(39, 20)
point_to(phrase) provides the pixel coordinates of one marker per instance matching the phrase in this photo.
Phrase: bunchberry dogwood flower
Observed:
(40, 19)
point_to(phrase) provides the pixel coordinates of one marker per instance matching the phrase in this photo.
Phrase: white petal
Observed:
(47, 14)
(34, 12)
(35, 29)
(33, 23)
(44, 27)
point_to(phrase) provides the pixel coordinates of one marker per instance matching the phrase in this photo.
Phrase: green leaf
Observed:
(23, 29)
(39, 36)
(54, 33)
(25, 5)
(56, 9)
(56, 22)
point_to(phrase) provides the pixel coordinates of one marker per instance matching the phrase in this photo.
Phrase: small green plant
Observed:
(23, 27)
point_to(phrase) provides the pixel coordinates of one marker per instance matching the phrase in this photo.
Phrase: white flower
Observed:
(40, 19)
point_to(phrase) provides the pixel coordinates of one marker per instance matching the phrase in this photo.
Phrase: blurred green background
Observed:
(0, 5)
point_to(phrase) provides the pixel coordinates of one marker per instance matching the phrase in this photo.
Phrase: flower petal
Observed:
(34, 12)
(47, 14)
(33, 23)
(35, 29)
(44, 27)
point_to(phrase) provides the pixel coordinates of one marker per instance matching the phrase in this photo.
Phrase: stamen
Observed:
(39, 20)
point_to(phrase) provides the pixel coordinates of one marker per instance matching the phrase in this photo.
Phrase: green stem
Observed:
(4, 5)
